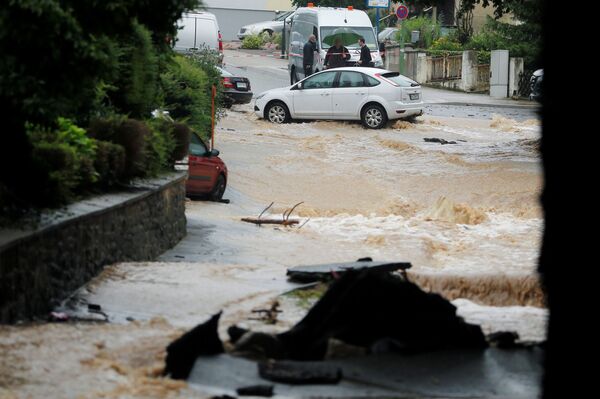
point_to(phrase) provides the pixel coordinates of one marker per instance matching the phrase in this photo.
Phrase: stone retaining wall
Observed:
(40, 267)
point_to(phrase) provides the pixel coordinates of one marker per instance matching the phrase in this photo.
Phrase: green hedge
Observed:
(187, 87)
(252, 42)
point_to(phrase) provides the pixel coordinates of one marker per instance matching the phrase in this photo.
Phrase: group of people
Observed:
(337, 55)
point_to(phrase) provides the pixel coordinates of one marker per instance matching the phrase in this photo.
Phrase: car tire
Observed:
(277, 112)
(219, 189)
(373, 116)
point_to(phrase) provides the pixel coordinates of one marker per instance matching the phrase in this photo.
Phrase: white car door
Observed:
(313, 100)
(349, 95)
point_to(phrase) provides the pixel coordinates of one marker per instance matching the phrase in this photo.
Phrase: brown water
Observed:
(466, 215)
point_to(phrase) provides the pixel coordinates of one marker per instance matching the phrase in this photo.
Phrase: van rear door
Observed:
(197, 31)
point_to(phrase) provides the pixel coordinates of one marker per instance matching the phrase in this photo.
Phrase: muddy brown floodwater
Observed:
(466, 215)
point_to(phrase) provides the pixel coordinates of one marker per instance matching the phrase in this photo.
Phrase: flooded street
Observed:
(466, 215)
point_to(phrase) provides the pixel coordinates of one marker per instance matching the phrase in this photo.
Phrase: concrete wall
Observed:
(39, 267)
(516, 67)
(463, 74)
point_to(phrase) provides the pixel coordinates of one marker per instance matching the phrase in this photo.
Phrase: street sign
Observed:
(402, 12)
(378, 3)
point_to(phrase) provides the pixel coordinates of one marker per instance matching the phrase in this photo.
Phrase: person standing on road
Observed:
(337, 55)
(365, 54)
(308, 58)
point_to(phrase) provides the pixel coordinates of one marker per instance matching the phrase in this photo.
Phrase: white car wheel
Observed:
(278, 113)
(374, 117)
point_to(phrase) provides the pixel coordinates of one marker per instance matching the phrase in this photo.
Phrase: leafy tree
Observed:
(521, 40)
(55, 56)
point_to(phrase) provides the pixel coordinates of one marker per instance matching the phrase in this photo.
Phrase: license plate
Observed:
(414, 96)
(242, 85)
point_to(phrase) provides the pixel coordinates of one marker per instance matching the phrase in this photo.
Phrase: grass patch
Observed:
(306, 298)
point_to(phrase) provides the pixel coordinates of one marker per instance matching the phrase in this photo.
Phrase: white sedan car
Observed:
(351, 93)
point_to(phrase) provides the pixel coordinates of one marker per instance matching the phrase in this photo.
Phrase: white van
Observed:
(327, 23)
(198, 30)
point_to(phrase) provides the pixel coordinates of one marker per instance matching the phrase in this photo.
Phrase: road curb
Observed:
(467, 104)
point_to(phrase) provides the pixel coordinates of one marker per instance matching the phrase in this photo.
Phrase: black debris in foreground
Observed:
(201, 340)
(325, 272)
(293, 372)
(256, 390)
(436, 140)
(364, 307)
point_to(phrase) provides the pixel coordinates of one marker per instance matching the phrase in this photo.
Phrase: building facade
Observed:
(233, 14)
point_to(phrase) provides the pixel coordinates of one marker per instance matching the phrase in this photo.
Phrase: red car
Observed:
(207, 173)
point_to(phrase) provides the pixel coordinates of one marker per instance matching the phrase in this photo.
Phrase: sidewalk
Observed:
(434, 96)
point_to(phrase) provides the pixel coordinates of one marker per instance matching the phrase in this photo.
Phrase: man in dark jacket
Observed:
(337, 55)
(365, 54)
(308, 58)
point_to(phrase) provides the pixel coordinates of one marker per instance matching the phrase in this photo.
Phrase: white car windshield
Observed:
(283, 16)
(349, 36)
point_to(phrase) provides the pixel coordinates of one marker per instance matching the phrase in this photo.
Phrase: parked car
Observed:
(236, 89)
(270, 27)
(371, 95)
(207, 173)
(199, 30)
(387, 34)
(535, 85)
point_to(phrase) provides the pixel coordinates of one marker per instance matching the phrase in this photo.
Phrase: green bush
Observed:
(132, 135)
(430, 31)
(181, 135)
(136, 89)
(520, 40)
(160, 146)
(444, 43)
(252, 42)
(187, 93)
(109, 164)
(67, 154)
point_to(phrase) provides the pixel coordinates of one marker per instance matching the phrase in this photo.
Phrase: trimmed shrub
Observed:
(60, 162)
(159, 147)
(182, 136)
(67, 154)
(252, 42)
(132, 135)
(109, 164)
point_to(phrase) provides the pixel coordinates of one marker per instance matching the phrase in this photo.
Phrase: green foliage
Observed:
(446, 44)
(160, 146)
(181, 136)
(252, 42)
(306, 298)
(429, 30)
(520, 40)
(187, 91)
(136, 88)
(66, 58)
(67, 154)
(277, 39)
(109, 164)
